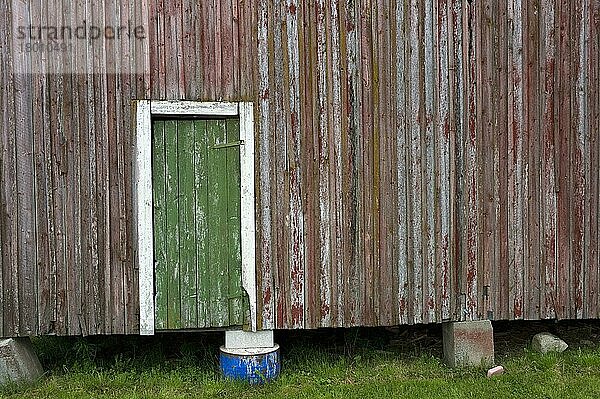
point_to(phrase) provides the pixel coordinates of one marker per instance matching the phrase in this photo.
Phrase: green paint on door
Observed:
(196, 193)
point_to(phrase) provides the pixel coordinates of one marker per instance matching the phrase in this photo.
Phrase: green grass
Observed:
(114, 367)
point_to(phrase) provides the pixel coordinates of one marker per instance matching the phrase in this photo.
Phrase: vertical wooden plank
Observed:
(401, 147)
(144, 52)
(516, 194)
(159, 180)
(217, 224)
(415, 170)
(386, 283)
(157, 50)
(236, 57)
(234, 251)
(454, 120)
(373, 178)
(217, 48)
(486, 150)
(106, 142)
(577, 173)
(247, 209)
(441, 21)
(308, 135)
(492, 277)
(86, 159)
(74, 267)
(472, 252)
(532, 125)
(226, 44)
(499, 294)
(296, 244)
(354, 186)
(175, 72)
(431, 168)
(9, 226)
(201, 219)
(595, 126)
(100, 177)
(143, 214)
(116, 251)
(127, 73)
(191, 56)
(583, 136)
(54, 158)
(458, 286)
(391, 218)
(245, 18)
(25, 261)
(346, 49)
(279, 119)
(562, 145)
(583, 108)
(77, 126)
(324, 171)
(172, 228)
(187, 231)
(3, 134)
(39, 125)
(209, 66)
(264, 194)
(548, 101)
(593, 84)
(68, 272)
(335, 156)
(4, 101)
(368, 140)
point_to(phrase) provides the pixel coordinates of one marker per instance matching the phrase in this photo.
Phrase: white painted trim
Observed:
(143, 214)
(248, 220)
(194, 108)
(143, 195)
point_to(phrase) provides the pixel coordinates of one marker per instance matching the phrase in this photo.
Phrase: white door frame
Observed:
(142, 190)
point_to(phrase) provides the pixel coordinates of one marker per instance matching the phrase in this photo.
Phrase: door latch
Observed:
(227, 145)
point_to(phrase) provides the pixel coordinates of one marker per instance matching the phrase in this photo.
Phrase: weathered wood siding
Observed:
(417, 161)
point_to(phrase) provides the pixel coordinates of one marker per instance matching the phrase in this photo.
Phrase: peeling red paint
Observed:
(267, 296)
(346, 77)
(445, 264)
(402, 306)
(431, 303)
(518, 309)
(297, 314)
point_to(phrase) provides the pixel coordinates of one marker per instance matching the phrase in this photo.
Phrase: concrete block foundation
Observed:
(18, 361)
(468, 343)
(238, 339)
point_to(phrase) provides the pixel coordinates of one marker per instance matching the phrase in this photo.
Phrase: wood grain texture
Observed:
(416, 161)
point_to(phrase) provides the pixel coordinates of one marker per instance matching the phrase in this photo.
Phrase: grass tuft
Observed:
(325, 364)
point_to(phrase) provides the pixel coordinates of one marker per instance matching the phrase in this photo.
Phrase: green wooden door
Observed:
(196, 193)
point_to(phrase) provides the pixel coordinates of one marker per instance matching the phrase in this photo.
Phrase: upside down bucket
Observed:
(254, 365)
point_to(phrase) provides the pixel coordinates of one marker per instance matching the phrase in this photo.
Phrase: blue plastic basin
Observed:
(253, 365)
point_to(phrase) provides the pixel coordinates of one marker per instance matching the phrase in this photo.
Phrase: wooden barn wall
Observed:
(423, 161)
(67, 254)
(417, 161)
(65, 199)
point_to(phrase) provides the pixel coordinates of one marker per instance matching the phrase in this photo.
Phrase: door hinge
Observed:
(227, 145)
